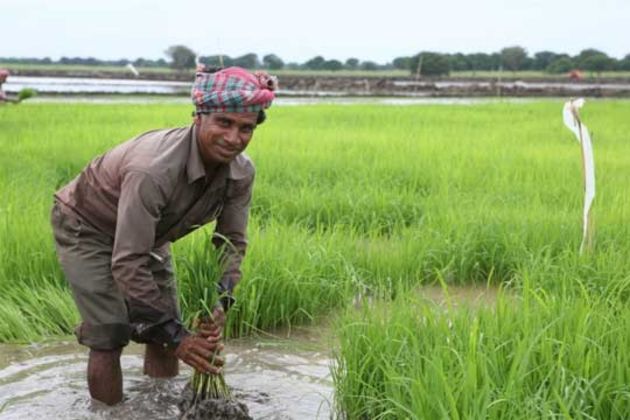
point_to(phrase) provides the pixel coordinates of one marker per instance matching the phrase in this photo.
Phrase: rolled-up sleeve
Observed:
(232, 228)
(140, 203)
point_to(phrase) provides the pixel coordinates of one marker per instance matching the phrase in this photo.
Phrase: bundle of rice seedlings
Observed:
(208, 385)
(207, 393)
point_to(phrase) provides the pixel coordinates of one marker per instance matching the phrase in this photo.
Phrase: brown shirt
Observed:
(152, 190)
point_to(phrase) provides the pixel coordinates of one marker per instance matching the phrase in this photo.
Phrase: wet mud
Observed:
(211, 409)
(273, 378)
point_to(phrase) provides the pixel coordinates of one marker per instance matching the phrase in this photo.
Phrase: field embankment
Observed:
(378, 83)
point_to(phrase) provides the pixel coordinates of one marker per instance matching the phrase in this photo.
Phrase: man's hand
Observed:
(202, 353)
(212, 327)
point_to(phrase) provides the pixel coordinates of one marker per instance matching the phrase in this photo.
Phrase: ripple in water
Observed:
(272, 378)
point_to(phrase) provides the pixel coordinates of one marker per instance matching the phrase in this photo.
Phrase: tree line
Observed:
(426, 63)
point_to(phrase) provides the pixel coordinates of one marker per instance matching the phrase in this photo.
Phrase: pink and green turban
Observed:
(233, 90)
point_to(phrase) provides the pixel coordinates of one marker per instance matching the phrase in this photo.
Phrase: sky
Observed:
(297, 31)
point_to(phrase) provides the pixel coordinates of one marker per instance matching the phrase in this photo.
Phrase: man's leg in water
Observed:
(85, 256)
(104, 376)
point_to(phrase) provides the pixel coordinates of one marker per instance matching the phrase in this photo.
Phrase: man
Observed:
(3, 78)
(113, 225)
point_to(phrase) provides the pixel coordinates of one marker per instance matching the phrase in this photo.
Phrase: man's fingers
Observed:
(217, 361)
(215, 370)
(213, 339)
(201, 353)
(209, 332)
(206, 347)
(199, 363)
(216, 321)
(214, 365)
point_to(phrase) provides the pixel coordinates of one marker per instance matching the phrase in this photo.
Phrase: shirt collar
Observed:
(194, 167)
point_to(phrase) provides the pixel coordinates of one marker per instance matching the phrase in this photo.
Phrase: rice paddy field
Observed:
(356, 209)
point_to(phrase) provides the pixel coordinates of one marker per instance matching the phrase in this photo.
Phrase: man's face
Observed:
(221, 136)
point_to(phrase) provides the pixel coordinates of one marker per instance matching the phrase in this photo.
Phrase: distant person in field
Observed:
(3, 78)
(114, 224)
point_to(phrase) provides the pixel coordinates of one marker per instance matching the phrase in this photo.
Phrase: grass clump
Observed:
(530, 356)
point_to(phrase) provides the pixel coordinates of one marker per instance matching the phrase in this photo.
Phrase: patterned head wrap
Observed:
(4, 74)
(232, 90)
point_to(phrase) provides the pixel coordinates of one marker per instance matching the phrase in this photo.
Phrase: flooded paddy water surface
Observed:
(275, 378)
(405, 88)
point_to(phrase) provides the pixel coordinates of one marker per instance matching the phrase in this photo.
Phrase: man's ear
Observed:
(197, 119)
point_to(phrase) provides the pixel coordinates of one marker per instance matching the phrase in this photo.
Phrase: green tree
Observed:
(480, 61)
(315, 63)
(495, 61)
(216, 60)
(430, 63)
(247, 61)
(352, 63)
(586, 54)
(459, 62)
(333, 65)
(624, 63)
(182, 57)
(369, 65)
(560, 65)
(273, 62)
(141, 62)
(542, 59)
(513, 58)
(598, 63)
(402, 63)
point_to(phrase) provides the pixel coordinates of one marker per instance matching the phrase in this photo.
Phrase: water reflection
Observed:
(275, 378)
(398, 88)
(284, 101)
(87, 85)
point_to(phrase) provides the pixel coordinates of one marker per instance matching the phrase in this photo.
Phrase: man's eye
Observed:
(224, 123)
(247, 130)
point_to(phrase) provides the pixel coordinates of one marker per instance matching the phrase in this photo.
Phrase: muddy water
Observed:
(391, 101)
(474, 296)
(413, 89)
(86, 85)
(275, 378)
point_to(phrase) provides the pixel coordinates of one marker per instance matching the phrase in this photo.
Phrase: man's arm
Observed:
(139, 206)
(231, 235)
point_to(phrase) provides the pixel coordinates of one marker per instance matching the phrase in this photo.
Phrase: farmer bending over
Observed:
(114, 224)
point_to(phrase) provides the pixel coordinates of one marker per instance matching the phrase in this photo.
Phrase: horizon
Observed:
(260, 56)
(133, 29)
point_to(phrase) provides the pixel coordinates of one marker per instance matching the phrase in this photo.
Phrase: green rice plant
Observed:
(361, 206)
(349, 201)
(26, 93)
(530, 356)
(199, 293)
(28, 314)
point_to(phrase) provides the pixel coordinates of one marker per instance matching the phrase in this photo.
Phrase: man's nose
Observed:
(232, 136)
